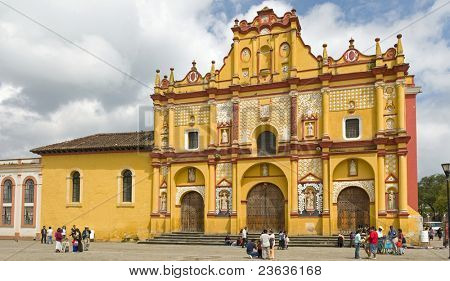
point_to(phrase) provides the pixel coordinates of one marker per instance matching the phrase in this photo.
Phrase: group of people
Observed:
(375, 242)
(80, 240)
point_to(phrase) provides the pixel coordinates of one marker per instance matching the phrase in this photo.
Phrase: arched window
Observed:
(7, 202)
(267, 143)
(28, 202)
(127, 185)
(76, 187)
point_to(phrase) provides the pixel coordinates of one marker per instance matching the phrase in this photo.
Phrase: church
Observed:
(277, 137)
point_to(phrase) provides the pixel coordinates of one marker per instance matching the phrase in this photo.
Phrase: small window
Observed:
(7, 192)
(192, 139)
(352, 128)
(127, 185)
(266, 144)
(29, 191)
(28, 214)
(6, 215)
(76, 187)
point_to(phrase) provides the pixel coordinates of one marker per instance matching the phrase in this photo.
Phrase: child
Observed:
(399, 247)
(74, 246)
(259, 247)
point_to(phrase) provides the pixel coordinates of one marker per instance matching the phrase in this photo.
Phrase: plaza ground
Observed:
(111, 251)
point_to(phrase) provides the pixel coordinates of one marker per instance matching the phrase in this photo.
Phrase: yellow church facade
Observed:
(276, 138)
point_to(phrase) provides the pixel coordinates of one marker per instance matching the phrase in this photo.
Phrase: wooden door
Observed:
(353, 209)
(265, 208)
(192, 211)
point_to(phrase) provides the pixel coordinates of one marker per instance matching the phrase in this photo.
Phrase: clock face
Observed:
(192, 77)
(351, 56)
(245, 55)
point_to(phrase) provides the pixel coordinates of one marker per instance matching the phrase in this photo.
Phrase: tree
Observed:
(433, 196)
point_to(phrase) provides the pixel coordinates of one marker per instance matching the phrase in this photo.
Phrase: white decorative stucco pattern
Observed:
(183, 189)
(367, 185)
(307, 166)
(362, 98)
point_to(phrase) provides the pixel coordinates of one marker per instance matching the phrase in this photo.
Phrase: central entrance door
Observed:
(192, 212)
(265, 208)
(353, 209)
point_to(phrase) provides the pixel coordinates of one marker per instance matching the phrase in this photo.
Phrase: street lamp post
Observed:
(446, 168)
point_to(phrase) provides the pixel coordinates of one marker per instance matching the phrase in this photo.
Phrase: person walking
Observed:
(50, 235)
(43, 235)
(439, 233)
(58, 239)
(431, 234)
(63, 231)
(392, 236)
(340, 240)
(357, 244)
(380, 239)
(272, 244)
(265, 244)
(281, 240)
(286, 240)
(373, 240)
(244, 237)
(86, 238)
(352, 239)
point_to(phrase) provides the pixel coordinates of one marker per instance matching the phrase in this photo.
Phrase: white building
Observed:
(20, 198)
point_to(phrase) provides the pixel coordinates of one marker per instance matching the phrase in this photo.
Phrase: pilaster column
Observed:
(171, 109)
(379, 89)
(400, 92)
(294, 184)
(157, 125)
(381, 185)
(293, 120)
(212, 124)
(293, 54)
(403, 184)
(274, 57)
(236, 59)
(326, 183)
(235, 123)
(234, 187)
(212, 188)
(325, 112)
(155, 193)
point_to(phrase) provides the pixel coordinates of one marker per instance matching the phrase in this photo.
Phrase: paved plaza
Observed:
(33, 250)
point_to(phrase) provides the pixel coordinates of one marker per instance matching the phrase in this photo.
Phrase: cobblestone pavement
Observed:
(33, 250)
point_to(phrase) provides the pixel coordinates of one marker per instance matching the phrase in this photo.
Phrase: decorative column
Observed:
(212, 124)
(400, 92)
(236, 58)
(235, 123)
(155, 193)
(274, 55)
(293, 120)
(293, 56)
(212, 188)
(325, 112)
(379, 89)
(294, 184)
(403, 184)
(326, 183)
(157, 126)
(381, 186)
(171, 109)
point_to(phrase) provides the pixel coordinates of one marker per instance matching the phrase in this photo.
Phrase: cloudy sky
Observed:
(51, 91)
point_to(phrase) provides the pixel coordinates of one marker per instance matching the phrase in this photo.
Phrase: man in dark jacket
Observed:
(43, 235)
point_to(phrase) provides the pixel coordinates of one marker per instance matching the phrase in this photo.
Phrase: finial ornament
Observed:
(236, 22)
(213, 69)
(377, 48)
(325, 54)
(351, 41)
(399, 45)
(193, 65)
(171, 78)
(157, 79)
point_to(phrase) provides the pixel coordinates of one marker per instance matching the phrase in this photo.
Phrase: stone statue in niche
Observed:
(224, 136)
(191, 174)
(192, 120)
(309, 200)
(223, 201)
(390, 124)
(309, 129)
(391, 200)
(352, 168)
(264, 170)
(163, 202)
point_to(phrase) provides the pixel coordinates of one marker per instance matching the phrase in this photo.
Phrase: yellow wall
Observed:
(99, 208)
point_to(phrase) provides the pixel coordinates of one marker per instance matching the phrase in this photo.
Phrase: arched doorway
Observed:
(265, 208)
(192, 212)
(353, 206)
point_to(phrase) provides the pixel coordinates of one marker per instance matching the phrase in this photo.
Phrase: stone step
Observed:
(294, 239)
(221, 243)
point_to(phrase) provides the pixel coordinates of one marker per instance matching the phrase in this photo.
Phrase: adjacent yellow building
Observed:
(276, 138)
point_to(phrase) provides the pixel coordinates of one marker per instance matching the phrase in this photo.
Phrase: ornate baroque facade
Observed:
(324, 138)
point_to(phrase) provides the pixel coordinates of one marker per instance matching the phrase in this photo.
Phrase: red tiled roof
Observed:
(101, 142)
